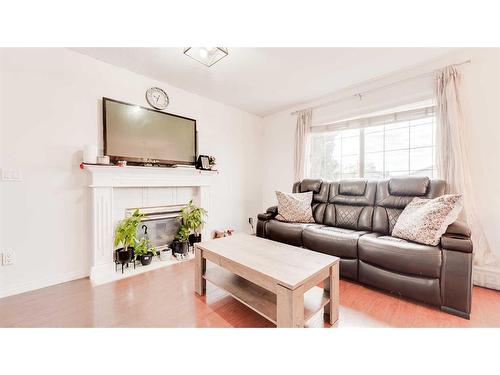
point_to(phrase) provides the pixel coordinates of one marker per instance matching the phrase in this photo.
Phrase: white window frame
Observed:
(371, 121)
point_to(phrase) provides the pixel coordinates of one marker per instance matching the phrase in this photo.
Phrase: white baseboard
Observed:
(487, 276)
(41, 283)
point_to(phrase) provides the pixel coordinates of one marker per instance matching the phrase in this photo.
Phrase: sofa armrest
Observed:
(270, 213)
(456, 270)
(262, 220)
(457, 238)
(265, 216)
(456, 242)
(460, 228)
(272, 210)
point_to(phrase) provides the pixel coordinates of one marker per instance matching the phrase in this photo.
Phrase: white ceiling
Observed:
(266, 80)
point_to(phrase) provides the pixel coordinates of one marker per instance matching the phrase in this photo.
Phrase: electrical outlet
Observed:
(8, 258)
(12, 175)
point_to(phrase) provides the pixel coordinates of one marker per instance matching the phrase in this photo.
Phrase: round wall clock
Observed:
(157, 98)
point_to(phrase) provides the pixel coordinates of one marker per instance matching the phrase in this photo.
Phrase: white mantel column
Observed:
(102, 231)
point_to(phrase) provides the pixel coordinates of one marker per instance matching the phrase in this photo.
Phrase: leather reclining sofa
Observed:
(354, 220)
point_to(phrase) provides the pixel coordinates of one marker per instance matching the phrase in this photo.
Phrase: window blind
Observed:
(364, 122)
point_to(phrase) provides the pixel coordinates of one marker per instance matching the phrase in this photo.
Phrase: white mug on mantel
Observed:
(90, 154)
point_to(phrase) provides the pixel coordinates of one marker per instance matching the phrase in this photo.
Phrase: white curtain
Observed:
(452, 157)
(301, 155)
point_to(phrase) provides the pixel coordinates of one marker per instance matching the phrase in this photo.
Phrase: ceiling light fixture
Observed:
(206, 55)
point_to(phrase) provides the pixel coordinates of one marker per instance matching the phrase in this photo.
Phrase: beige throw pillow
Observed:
(295, 208)
(425, 220)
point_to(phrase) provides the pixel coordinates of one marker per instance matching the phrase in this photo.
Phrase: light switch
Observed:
(8, 258)
(12, 174)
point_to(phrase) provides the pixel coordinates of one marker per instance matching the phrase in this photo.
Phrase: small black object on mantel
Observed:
(203, 162)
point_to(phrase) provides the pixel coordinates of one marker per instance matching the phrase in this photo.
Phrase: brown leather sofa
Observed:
(354, 220)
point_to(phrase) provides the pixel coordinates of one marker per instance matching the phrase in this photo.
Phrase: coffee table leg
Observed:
(200, 266)
(331, 284)
(290, 307)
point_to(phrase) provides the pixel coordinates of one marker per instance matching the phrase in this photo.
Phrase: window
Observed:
(398, 144)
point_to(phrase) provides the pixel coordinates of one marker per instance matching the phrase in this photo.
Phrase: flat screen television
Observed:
(143, 135)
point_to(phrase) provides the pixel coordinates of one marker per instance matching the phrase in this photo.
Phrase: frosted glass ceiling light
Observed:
(206, 55)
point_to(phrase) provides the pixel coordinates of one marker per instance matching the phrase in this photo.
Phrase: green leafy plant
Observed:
(192, 220)
(143, 247)
(126, 230)
(182, 234)
(193, 217)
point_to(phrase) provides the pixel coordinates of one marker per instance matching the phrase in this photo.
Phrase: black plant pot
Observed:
(194, 238)
(147, 258)
(123, 256)
(179, 247)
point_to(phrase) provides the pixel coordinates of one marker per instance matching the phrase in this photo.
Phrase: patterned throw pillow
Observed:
(425, 220)
(295, 208)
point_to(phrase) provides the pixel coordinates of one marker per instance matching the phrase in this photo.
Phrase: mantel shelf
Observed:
(89, 166)
(140, 176)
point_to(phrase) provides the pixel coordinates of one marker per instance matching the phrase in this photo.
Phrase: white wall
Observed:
(481, 87)
(50, 106)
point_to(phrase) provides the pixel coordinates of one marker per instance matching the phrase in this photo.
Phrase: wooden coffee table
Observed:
(277, 281)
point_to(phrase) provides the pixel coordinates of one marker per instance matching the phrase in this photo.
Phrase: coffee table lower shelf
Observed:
(259, 299)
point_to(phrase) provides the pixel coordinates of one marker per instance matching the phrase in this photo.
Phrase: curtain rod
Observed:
(363, 93)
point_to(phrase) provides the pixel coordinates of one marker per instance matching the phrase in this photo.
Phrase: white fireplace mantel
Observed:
(103, 181)
(131, 176)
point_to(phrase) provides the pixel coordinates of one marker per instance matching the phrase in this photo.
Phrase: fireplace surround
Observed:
(114, 190)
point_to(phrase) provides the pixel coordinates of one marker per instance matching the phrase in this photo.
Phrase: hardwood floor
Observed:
(166, 298)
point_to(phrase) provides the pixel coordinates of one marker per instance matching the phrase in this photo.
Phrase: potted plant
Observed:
(143, 251)
(125, 234)
(196, 221)
(181, 241)
(166, 254)
(193, 218)
(211, 161)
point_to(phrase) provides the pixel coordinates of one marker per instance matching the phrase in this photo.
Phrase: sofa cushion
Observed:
(295, 208)
(400, 255)
(289, 233)
(408, 186)
(352, 187)
(318, 212)
(335, 241)
(319, 189)
(310, 185)
(388, 206)
(350, 204)
(425, 220)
